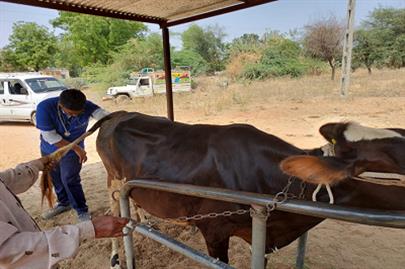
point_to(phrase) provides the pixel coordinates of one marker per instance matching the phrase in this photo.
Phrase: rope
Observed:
(382, 181)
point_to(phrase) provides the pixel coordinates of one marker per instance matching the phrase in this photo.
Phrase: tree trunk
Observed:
(332, 64)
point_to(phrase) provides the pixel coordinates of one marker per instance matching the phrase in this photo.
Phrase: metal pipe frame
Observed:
(126, 213)
(161, 238)
(259, 228)
(393, 219)
(259, 203)
(181, 248)
(302, 241)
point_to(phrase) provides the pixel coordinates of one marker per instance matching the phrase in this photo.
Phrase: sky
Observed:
(282, 15)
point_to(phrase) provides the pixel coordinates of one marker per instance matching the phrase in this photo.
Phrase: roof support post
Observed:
(168, 72)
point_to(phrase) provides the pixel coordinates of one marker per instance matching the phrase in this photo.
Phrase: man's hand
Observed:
(81, 153)
(47, 163)
(108, 226)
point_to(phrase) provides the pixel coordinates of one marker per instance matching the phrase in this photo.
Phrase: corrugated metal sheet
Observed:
(154, 11)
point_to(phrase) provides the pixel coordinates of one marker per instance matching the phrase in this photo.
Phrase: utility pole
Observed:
(347, 49)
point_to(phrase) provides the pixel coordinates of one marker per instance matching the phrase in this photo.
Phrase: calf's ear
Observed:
(317, 170)
(332, 131)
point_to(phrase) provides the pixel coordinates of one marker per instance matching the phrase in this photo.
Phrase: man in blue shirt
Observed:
(61, 120)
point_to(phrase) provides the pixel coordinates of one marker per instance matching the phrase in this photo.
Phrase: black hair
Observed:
(72, 99)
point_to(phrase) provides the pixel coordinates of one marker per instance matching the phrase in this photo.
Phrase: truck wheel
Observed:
(122, 98)
(34, 118)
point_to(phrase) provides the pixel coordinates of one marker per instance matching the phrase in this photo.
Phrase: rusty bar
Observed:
(168, 72)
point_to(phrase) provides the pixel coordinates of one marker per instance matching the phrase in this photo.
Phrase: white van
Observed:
(20, 94)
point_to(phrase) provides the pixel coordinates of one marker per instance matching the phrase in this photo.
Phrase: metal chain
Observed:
(213, 215)
(280, 198)
(303, 189)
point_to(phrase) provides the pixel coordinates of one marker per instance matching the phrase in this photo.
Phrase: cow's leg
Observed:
(217, 244)
(113, 191)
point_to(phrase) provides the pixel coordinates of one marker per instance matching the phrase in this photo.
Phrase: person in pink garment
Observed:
(22, 243)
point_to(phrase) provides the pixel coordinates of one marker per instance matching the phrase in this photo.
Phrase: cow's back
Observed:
(238, 156)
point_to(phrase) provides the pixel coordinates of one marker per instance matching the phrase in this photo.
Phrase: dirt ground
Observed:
(290, 109)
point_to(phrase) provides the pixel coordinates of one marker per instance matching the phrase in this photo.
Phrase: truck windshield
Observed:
(39, 85)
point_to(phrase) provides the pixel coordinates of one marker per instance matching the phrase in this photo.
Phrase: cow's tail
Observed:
(55, 157)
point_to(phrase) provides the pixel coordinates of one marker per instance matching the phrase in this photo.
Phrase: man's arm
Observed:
(99, 113)
(45, 249)
(53, 138)
(22, 177)
(78, 150)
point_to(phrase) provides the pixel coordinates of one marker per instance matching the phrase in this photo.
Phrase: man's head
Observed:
(72, 101)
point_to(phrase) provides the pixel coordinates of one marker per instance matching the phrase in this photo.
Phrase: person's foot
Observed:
(85, 216)
(57, 210)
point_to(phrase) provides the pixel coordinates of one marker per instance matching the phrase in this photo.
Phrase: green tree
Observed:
(387, 26)
(246, 43)
(31, 47)
(323, 40)
(131, 57)
(189, 58)
(91, 39)
(208, 43)
(281, 57)
(365, 50)
(6, 61)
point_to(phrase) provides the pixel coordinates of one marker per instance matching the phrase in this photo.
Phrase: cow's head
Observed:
(357, 149)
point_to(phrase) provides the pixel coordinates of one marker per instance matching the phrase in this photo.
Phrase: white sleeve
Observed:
(39, 250)
(21, 178)
(51, 137)
(99, 113)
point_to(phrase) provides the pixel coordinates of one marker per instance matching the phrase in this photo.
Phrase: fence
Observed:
(259, 202)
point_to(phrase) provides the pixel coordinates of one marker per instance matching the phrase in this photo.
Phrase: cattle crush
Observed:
(261, 207)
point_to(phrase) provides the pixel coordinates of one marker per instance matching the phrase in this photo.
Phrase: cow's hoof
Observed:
(115, 262)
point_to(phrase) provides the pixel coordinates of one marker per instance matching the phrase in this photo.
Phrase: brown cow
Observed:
(241, 157)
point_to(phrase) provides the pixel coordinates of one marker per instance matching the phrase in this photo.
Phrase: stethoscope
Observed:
(66, 133)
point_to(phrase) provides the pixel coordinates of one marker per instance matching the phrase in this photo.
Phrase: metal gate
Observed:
(260, 203)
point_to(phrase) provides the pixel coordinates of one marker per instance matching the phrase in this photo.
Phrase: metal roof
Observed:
(166, 13)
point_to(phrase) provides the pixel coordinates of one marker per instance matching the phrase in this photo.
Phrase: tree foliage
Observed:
(131, 57)
(387, 27)
(92, 39)
(246, 43)
(365, 49)
(323, 39)
(281, 57)
(189, 58)
(31, 48)
(208, 43)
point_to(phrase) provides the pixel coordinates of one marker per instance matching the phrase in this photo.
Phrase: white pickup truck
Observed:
(150, 83)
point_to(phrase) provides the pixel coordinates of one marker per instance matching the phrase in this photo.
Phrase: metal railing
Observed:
(259, 202)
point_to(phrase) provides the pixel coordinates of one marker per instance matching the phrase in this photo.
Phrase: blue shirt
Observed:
(51, 117)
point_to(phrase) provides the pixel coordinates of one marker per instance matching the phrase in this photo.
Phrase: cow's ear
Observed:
(333, 131)
(317, 170)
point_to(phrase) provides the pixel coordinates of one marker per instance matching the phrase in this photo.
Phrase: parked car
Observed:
(20, 94)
